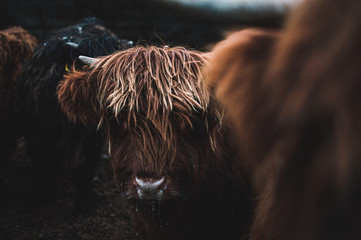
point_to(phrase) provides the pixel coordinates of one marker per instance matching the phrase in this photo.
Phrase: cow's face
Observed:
(157, 113)
(160, 158)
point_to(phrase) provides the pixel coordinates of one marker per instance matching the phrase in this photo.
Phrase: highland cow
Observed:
(300, 117)
(56, 145)
(16, 47)
(173, 160)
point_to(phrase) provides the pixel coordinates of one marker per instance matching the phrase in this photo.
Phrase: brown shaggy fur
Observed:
(235, 70)
(16, 47)
(302, 119)
(161, 68)
(162, 121)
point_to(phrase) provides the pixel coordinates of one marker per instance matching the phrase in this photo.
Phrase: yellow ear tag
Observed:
(66, 68)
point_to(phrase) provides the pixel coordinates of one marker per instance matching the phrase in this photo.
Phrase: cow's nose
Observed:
(150, 188)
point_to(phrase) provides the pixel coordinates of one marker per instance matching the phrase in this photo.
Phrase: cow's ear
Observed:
(77, 96)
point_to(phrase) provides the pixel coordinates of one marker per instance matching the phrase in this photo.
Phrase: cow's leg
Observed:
(7, 148)
(84, 173)
(42, 154)
(9, 135)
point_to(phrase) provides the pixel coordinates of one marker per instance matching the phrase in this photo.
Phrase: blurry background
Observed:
(193, 23)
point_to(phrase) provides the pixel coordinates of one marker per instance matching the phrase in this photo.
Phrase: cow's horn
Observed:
(73, 45)
(88, 60)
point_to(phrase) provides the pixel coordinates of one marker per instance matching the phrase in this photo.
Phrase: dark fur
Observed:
(55, 144)
(16, 47)
(162, 121)
(301, 118)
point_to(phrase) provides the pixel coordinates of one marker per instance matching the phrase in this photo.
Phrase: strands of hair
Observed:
(146, 82)
(160, 72)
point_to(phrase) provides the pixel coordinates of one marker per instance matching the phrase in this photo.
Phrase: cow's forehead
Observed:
(152, 81)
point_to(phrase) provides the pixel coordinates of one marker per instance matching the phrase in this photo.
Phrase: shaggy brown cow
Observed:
(16, 47)
(302, 119)
(172, 159)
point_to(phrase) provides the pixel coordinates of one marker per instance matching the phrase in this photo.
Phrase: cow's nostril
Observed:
(150, 188)
(150, 183)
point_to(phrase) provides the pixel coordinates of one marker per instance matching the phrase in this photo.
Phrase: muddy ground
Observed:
(24, 216)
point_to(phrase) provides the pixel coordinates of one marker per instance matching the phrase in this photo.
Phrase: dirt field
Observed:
(25, 216)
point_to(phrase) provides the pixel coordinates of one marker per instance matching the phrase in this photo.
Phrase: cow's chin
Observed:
(135, 194)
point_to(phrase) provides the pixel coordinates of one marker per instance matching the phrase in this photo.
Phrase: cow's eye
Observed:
(186, 134)
(184, 139)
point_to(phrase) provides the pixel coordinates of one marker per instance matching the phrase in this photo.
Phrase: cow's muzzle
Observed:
(150, 188)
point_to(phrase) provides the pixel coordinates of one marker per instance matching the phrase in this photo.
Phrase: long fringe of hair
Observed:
(170, 76)
(141, 84)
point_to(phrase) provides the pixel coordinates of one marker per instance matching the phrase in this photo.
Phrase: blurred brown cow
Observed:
(16, 47)
(295, 99)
